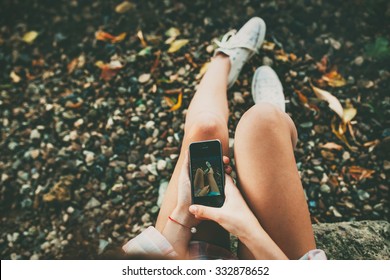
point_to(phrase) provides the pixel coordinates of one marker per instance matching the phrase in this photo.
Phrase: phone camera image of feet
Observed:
(207, 176)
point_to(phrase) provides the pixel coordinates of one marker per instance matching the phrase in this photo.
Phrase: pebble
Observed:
(161, 164)
(237, 98)
(144, 78)
(359, 60)
(267, 61)
(34, 153)
(35, 134)
(363, 195)
(325, 188)
(118, 187)
(92, 203)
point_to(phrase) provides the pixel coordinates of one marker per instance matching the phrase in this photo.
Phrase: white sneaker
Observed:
(266, 87)
(241, 46)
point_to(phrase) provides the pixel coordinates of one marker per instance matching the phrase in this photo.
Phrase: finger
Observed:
(228, 169)
(204, 212)
(226, 160)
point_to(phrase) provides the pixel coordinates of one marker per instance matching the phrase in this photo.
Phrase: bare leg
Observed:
(212, 183)
(199, 180)
(206, 119)
(269, 180)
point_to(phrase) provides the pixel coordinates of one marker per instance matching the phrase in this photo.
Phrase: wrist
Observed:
(182, 215)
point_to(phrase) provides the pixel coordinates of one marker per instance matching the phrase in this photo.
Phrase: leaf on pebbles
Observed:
(109, 70)
(124, 7)
(333, 102)
(360, 173)
(30, 37)
(177, 45)
(349, 114)
(140, 36)
(104, 36)
(332, 146)
(334, 79)
(178, 103)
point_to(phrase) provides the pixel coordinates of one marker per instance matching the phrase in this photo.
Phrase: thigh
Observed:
(269, 180)
(206, 127)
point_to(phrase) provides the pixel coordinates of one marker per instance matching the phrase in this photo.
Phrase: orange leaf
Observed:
(109, 70)
(360, 173)
(140, 36)
(301, 96)
(178, 104)
(104, 36)
(332, 146)
(72, 65)
(334, 79)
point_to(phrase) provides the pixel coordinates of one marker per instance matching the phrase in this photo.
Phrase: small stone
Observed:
(149, 125)
(363, 195)
(335, 212)
(346, 155)
(359, 60)
(154, 209)
(89, 158)
(34, 153)
(34, 257)
(118, 187)
(325, 188)
(161, 164)
(145, 218)
(144, 78)
(131, 167)
(92, 203)
(70, 210)
(237, 98)
(35, 134)
(210, 48)
(306, 125)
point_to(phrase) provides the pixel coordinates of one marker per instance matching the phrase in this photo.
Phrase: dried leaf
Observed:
(349, 114)
(15, 77)
(140, 36)
(360, 173)
(339, 135)
(268, 46)
(109, 70)
(281, 56)
(124, 7)
(334, 103)
(332, 146)
(30, 36)
(327, 155)
(172, 32)
(156, 62)
(334, 79)
(177, 45)
(178, 103)
(301, 96)
(104, 36)
(323, 64)
(72, 65)
(203, 70)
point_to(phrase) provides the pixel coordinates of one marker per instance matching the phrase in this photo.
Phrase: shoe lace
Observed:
(225, 44)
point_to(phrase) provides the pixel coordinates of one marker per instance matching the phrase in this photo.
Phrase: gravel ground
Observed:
(91, 118)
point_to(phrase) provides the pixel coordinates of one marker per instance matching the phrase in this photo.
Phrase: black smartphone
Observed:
(207, 173)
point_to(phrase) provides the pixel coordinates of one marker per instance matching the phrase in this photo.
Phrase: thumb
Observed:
(204, 212)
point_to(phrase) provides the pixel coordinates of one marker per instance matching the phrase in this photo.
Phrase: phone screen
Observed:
(207, 173)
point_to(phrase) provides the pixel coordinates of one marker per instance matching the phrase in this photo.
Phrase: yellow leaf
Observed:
(172, 32)
(334, 79)
(177, 45)
(178, 104)
(30, 36)
(140, 36)
(349, 114)
(334, 103)
(124, 7)
(268, 46)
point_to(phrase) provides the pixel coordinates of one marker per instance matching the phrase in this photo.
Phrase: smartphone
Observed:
(207, 173)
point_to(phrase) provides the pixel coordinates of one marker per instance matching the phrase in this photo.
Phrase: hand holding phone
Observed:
(207, 173)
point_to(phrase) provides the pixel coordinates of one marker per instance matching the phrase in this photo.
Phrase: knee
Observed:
(206, 126)
(266, 119)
